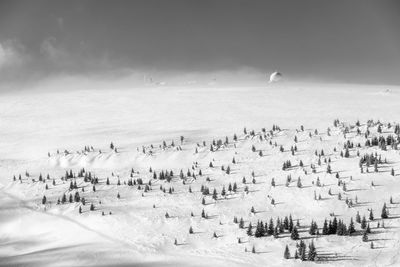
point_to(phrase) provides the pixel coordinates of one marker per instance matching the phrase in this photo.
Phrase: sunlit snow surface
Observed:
(33, 123)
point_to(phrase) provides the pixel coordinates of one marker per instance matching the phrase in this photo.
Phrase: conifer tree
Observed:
(302, 251)
(347, 154)
(215, 195)
(294, 234)
(299, 185)
(203, 214)
(328, 169)
(44, 199)
(249, 230)
(271, 227)
(241, 223)
(334, 226)
(290, 223)
(351, 229)
(286, 254)
(368, 229)
(286, 223)
(325, 229)
(313, 228)
(234, 187)
(363, 223)
(276, 232)
(228, 170)
(312, 252)
(259, 230)
(365, 237)
(384, 214)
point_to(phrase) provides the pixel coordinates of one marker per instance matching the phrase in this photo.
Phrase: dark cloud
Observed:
(355, 41)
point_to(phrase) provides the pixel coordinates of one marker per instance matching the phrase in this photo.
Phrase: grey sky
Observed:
(345, 41)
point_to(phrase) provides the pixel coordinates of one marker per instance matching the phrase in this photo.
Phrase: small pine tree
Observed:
(44, 200)
(215, 195)
(299, 185)
(358, 217)
(190, 230)
(241, 223)
(365, 237)
(312, 252)
(249, 230)
(286, 254)
(384, 214)
(368, 229)
(351, 229)
(363, 223)
(294, 234)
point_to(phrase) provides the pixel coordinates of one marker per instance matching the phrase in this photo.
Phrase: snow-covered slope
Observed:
(34, 124)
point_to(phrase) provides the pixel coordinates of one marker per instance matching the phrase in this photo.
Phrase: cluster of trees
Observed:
(301, 252)
(206, 191)
(337, 227)
(382, 142)
(72, 198)
(166, 175)
(286, 165)
(270, 228)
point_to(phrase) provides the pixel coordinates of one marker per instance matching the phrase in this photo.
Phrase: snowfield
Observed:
(51, 132)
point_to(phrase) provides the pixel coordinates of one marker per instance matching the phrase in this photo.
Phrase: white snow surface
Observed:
(33, 123)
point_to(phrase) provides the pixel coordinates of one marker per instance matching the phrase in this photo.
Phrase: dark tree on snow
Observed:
(294, 234)
(286, 254)
(384, 214)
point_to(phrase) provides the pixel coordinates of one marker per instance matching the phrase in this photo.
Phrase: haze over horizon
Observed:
(340, 41)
